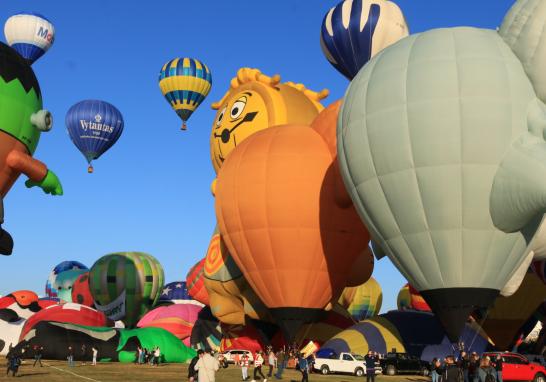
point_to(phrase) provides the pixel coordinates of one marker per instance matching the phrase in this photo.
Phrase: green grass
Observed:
(58, 371)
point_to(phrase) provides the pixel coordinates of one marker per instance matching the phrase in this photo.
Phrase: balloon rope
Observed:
(480, 327)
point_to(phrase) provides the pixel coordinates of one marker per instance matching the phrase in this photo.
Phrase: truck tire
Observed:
(359, 372)
(539, 377)
(325, 370)
(425, 372)
(391, 370)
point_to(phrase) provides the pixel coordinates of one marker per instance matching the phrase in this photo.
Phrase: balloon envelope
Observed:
(185, 82)
(356, 30)
(94, 126)
(125, 285)
(30, 34)
(50, 289)
(363, 301)
(195, 283)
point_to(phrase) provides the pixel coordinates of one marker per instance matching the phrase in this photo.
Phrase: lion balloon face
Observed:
(241, 115)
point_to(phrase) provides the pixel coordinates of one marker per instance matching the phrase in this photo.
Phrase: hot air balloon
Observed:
(455, 219)
(74, 267)
(94, 126)
(81, 293)
(30, 34)
(176, 292)
(356, 30)
(363, 301)
(185, 83)
(125, 285)
(362, 269)
(409, 298)
(274, 183)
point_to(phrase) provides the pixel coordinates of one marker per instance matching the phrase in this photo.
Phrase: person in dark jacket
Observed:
(14, 361)
(486, 372)
(38, 352)
(435, 369)
(473, 366)
(451, 371)
(282, 360)
(192, 373)
(498, 367)
(370, 359)
(304, 368)
(464, 363)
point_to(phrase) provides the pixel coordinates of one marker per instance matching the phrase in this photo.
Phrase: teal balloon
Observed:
(441, 147)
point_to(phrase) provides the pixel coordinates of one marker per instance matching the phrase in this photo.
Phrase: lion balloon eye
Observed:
(237, 109)
(221, 117)
(42, 120)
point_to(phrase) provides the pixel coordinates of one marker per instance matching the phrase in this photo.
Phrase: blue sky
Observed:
(151, 191)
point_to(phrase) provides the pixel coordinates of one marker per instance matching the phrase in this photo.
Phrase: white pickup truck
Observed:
(344, 363)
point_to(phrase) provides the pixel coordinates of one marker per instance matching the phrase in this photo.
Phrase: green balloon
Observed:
(441, 146)
(126, 285)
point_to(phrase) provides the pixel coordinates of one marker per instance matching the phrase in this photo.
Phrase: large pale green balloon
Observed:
(441, 146)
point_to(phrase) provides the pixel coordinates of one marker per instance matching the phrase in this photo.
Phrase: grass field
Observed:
(57, 371)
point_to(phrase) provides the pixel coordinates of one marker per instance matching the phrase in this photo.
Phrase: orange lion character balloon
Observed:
(282, 211)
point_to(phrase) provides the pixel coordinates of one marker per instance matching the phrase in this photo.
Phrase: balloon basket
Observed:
(184, 127)
(90, 169)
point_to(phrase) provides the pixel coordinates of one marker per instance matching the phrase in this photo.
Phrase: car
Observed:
(344, 363)
(516, 367)
(234, 355)
(403, 363)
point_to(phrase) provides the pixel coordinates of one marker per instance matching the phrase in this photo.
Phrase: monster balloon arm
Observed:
(24, 163)
(36, 171)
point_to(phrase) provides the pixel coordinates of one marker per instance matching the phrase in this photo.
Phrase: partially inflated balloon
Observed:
(185, 82)
(457, 220)
(94, 126)
(363, 301)
(30, 34)
(81, 293)
(126, 285)
(356, 30)
(65, 266)
(276, 182)
(362, 268)
(410, 298)
(195, 283)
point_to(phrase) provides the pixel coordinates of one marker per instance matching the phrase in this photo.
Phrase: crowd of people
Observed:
(467, 368)
(146, 356)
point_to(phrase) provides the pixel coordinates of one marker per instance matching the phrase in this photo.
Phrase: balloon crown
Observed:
(246, 75)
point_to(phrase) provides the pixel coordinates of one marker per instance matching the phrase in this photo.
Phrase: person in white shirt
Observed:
(207, 366)
(258, 362)
(157, 355)
(95, 352)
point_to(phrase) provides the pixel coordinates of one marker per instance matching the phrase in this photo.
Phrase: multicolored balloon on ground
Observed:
(177, 319)
(363, 301)
(30, 34)
(356, 30)
(196, 285)
(416, 333)
(94, 126)
(125, 285)
(206, 332)
(75, 268)
(185, 82)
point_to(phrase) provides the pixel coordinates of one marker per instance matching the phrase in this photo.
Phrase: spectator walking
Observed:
(38, 353)
(370, 359)
(271, 362)
(95, 352)
(14, 361)
(244, 363)
(498, 367)
(304, 368)
(207, 366)
(70, 357)
(258, 362)
(192, 373)
(282, 360)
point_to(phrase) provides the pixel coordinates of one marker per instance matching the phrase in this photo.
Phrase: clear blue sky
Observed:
(151, 192)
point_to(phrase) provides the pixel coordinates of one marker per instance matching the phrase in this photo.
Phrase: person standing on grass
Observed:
(157, 355)
(282, 359)
(95, 353)
(271, 362)
(304, 368)
(70, 357)
(244, 362)
(207, 366)
(84, 353)
(258, 362)
(498, 367)
(192, 373)
(370, 359)
(13, 364)
(38, 352)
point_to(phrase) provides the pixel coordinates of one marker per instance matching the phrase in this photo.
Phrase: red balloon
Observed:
(81, 294)
(196, 284)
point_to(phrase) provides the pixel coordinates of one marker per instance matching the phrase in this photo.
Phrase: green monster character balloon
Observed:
(22, 120)
(126, 285)
(441, 142)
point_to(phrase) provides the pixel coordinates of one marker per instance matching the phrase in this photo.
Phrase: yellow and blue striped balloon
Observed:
(185, 82)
